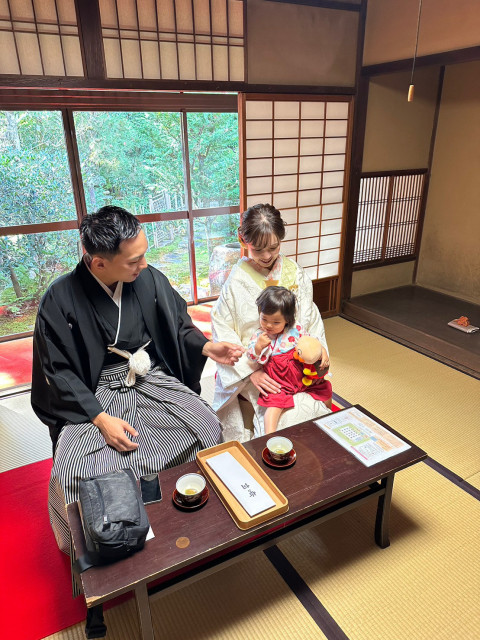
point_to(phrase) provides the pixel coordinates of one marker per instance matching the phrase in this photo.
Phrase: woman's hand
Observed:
(264, 383)
(325, 360)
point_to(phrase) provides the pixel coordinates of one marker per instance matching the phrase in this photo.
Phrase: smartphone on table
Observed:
(150, 488)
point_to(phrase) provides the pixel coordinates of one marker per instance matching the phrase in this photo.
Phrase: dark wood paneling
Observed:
(117, 100)
(381, 263)
(74, 164)
(321, 295)
(355, 164)
(423, 205)
(60, 82)
(324, 4)
(418, 318)
(394, 172)
(360, 119)
(448, 57)
(91, 42)
(45, 227)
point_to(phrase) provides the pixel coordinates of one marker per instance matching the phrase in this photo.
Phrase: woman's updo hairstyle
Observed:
(260, 223)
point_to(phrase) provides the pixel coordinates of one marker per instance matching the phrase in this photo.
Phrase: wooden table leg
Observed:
(382, 522)
(144, 615)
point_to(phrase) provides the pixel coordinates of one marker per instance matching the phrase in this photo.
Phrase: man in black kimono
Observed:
(117, 365)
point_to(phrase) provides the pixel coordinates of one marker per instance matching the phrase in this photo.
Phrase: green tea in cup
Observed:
(279, 448)
(190, 487)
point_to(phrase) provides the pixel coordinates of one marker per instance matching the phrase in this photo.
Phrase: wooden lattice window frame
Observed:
(391, 207)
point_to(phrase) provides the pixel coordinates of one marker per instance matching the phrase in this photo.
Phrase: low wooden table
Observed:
(325, 481)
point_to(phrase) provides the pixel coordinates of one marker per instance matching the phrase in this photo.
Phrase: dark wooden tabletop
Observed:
(324, 472)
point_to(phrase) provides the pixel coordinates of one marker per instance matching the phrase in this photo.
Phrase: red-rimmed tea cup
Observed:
(190, 487)
(279, 448)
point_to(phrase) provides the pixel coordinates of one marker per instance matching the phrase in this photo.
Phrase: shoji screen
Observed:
(39, 37)
(294, 156)
(174, 39)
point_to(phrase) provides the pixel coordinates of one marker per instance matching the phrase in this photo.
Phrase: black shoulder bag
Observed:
(114, 519)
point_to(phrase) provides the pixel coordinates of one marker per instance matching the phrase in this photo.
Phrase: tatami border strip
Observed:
(336, 398)
(306, 596)
(453, 477)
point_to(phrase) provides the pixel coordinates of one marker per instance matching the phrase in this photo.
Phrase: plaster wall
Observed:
(397, 136)
(381, 278)
(445, 25)
(300, 44)
(398, 133)
(449, 256)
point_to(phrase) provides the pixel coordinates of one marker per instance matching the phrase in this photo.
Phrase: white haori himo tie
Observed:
(139, 363)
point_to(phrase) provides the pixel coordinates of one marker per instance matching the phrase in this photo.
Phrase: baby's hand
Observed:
(262, 341)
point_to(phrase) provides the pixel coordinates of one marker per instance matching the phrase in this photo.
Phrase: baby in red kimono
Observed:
(272, 346)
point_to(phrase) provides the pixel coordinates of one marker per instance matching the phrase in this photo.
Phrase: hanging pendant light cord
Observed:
(416, 40)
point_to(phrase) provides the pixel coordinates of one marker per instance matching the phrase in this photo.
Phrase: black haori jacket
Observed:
(69, 344)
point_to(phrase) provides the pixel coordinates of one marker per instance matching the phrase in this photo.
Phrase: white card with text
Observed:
(253, 497)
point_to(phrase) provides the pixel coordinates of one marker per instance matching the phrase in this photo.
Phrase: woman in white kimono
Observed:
(235, 319)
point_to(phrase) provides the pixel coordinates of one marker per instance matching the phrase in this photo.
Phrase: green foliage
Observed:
(35, 182)
(130, 159)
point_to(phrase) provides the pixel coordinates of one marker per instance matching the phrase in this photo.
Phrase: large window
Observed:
(177, 171)
(35, 194)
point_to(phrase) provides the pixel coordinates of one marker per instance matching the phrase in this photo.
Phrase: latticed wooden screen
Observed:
(39, 37)
(294, 151)
(174, 39)
(388, 215)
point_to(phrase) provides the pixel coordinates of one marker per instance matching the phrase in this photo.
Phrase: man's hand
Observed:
(262, 341)
(264, 383)
(223, 352)
(113, 430)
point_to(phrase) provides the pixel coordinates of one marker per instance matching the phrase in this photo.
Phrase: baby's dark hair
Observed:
(274, 299)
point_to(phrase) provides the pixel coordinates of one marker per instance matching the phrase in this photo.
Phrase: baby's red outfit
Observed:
(283, 368)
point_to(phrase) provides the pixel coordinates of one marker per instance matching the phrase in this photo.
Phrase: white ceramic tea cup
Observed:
(279, 448)
(189, 487)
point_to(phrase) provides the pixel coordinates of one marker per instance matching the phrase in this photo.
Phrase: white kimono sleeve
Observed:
(224, 328)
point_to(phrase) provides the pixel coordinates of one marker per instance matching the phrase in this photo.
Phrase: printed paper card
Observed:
(253, 497)
(367, 440)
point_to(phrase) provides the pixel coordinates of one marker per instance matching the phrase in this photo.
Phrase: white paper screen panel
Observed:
(295, 155)
(187, 39)
(39, 38)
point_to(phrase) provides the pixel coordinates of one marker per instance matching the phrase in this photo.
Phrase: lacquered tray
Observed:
(234, 508)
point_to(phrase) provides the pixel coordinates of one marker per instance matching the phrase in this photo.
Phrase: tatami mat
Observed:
(424, 586)
(244, 602)
(430, 403)
(475, 480)
(24, 438)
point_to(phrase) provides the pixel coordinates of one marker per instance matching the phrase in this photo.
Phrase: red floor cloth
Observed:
(35, 579)
(15, 362)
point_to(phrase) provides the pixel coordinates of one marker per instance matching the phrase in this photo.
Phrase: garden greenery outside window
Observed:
(177, 171)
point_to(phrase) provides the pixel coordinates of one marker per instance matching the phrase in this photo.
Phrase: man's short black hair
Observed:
(101, 233)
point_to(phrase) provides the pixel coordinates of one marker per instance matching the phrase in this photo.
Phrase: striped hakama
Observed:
(172, 422)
